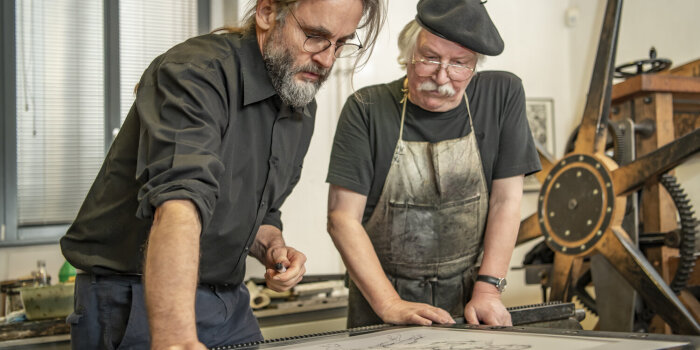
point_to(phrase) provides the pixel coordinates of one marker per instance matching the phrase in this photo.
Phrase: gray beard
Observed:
(280, 67)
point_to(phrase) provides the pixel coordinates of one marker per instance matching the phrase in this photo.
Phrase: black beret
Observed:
(464, 22)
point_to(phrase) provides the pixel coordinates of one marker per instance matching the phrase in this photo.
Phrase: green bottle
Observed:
(66, 273)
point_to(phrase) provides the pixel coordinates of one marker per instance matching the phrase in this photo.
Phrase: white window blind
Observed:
(60, 108)
(148, 28)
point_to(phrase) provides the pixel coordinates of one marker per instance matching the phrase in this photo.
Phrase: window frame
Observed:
(10, 233)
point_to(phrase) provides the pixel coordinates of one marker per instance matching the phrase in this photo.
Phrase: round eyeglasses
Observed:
(316, 44)
(427, 68)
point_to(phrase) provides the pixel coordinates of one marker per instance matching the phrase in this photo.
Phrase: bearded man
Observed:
(193, 182)
(426, 175)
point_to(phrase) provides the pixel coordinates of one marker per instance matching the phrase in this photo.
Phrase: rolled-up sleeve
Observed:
(274, 218)
(183, 115)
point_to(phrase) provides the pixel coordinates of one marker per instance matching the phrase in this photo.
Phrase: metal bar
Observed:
(112, 83)
(593, 126)
(3, 102)
(526, 314)
(203, 16)
(614, 298)
(551, 311)
(634, 267)
(8, 148)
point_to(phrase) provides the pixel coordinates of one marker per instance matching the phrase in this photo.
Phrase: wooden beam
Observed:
(646, 83)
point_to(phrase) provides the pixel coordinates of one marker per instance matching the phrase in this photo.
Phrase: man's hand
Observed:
(399, 311)
(269, 248)
(486, 307)
(187, 346)
(292, 259)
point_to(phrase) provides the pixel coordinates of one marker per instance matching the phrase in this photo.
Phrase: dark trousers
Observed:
(110, 313)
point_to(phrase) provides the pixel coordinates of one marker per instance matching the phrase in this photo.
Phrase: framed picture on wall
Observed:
(540, 115)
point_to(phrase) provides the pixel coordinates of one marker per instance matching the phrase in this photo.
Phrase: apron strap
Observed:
(469, 112)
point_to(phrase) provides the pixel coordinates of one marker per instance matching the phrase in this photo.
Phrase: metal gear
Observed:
(688, 224)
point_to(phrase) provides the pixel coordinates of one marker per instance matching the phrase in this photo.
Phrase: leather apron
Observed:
(428, 226)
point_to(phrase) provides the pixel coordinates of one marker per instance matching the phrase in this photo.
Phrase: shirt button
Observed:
(262, 204)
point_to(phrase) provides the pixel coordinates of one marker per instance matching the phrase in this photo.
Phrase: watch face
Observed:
(502, 284)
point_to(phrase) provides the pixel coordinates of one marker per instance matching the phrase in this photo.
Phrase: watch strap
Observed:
(500, 283)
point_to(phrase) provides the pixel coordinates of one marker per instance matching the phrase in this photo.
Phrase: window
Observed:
(146, 30)
(60, 107)
(71, 66)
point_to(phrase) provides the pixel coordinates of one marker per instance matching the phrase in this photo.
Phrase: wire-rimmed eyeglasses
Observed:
(316, 44)
(427, 68)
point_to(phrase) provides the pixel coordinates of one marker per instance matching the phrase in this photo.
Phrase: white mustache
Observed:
(444, 90)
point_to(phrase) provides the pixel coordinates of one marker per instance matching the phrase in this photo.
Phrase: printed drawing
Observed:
(414, 343)
(438, 338)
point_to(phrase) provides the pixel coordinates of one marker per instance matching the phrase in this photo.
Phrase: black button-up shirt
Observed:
(207, 126)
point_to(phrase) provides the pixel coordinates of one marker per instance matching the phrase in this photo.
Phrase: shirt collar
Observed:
(256, 81)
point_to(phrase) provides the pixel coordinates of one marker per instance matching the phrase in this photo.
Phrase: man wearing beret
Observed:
(426, 177)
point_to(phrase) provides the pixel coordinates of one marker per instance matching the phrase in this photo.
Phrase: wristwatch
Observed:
(500, 283)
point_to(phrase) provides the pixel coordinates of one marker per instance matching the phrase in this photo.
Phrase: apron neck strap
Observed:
(403, 108)
(469, 112)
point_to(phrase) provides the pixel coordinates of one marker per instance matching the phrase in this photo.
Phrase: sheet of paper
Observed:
(470, 339)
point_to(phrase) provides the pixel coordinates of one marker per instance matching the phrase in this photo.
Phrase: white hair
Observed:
(407, 44)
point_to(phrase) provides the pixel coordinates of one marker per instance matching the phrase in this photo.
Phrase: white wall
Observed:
(21, 261)
(553, 60)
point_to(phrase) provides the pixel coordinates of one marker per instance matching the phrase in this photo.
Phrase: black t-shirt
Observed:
(368, 130)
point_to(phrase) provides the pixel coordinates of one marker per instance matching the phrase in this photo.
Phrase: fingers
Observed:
(285, 268)
(488, 314)
(436, 314)
(279, 256)
(446, 317)
(497, 319)
(501, 318)
(417, 319)
(470, 316)
(288, 263)
(187, 346)
(405, 312)
(280, 282)
(508, 321)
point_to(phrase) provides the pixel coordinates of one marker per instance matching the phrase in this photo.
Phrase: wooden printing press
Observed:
(610, 210)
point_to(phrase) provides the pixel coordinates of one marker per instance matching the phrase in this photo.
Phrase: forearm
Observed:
(501, 230)
(268, 237)
(362, 262)
(170, 273)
